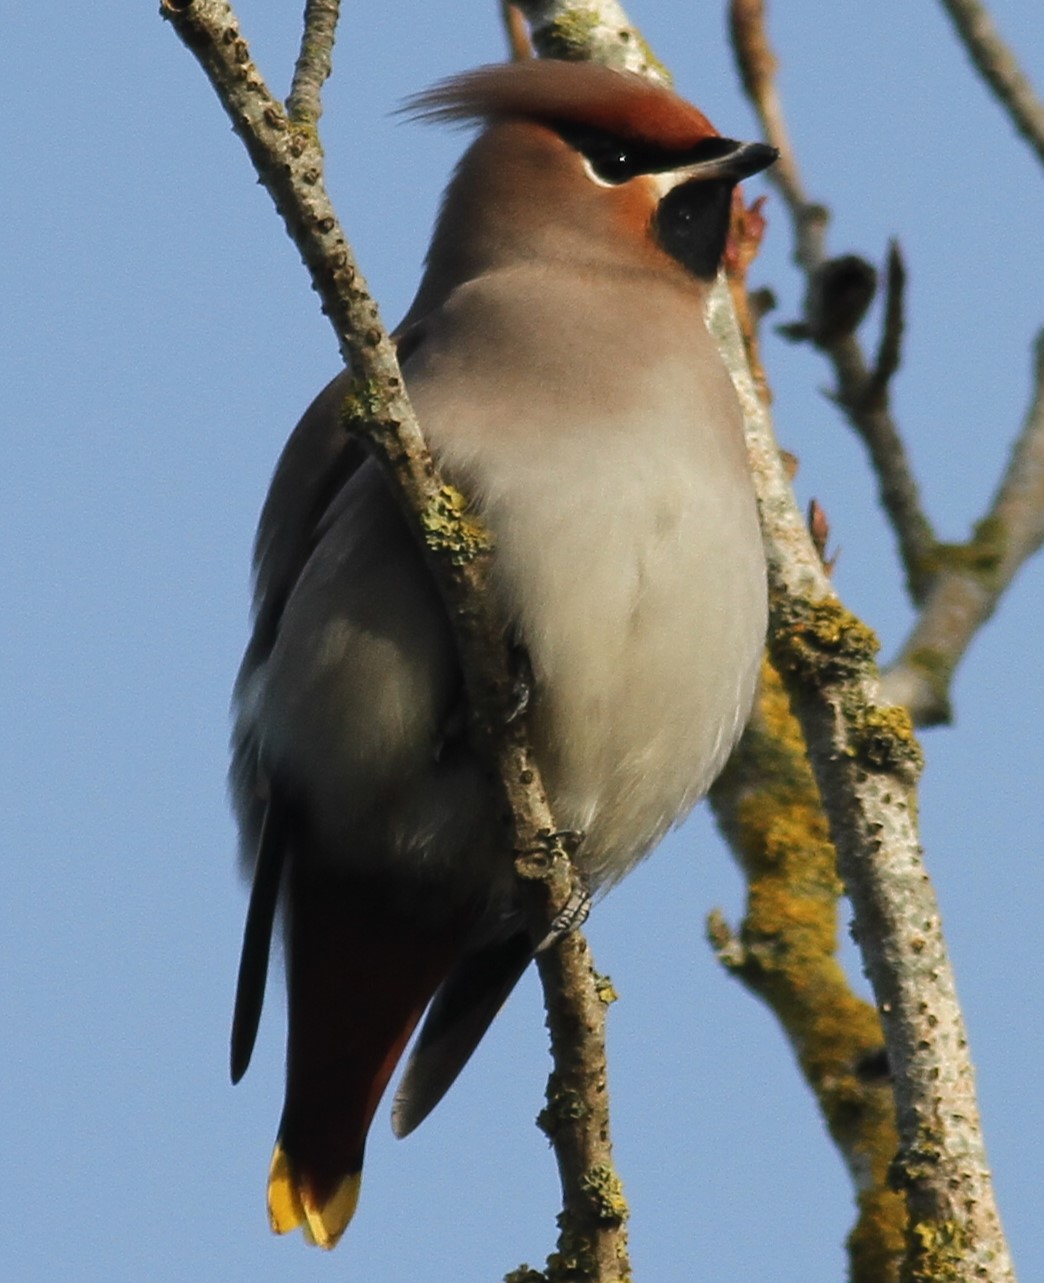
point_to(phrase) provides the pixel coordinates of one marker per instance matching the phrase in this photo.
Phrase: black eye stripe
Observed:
(616, 160)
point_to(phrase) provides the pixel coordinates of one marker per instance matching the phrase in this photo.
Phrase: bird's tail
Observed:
(358, 978)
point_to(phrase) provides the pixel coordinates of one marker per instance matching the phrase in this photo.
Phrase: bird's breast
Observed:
(628, 557)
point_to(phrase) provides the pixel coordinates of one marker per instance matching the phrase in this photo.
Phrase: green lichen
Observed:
(364, 401)
(562, 1108)
(575, 1258)
(919, 1161)
(990, 539)
(651, 62)
(577, 1255)
(935, 667)
(883, 739)
(580, 35)
(980, 556)
(305, 129)
(448, 528)
(820, 641)
(570, 36)
(605, 1193)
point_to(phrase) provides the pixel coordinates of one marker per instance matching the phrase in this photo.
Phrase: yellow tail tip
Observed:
(291, 1204)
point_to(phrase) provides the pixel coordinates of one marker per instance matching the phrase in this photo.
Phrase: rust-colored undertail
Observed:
(359, 975)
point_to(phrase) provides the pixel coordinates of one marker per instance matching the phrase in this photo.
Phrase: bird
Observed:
(558, 360)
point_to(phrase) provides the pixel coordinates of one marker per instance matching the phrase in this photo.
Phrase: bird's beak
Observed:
(734, 162)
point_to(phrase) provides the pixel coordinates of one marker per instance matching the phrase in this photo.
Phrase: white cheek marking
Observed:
(663, 181)
(589, 171)
(667, 180)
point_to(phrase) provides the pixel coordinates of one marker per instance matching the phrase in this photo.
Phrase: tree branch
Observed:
(516, 31)
(866, 762)
(862, 392)
(768, 808)
(590, 30)
(973, 576)
(314, 62)
(289, 163)
(999, 67)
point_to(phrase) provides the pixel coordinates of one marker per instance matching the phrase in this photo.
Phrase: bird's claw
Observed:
(571, 916)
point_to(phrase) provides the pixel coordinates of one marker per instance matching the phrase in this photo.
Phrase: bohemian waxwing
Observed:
(558, 361)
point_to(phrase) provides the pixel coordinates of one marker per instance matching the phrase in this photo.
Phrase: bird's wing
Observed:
(463, 1009)
(257, 936)
(317, 462)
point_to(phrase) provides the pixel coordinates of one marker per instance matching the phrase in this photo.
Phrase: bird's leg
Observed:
(573, 913)
(521, 682)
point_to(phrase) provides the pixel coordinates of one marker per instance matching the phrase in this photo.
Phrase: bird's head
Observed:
(578, 163)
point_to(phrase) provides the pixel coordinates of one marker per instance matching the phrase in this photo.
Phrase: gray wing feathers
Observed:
(257, 937)
(461, 1012)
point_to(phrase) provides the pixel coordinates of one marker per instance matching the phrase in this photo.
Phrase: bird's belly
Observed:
(643, 612)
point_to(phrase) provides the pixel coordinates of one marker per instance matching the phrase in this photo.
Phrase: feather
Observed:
(463, 1009)
(622, 103)
(359, 975)
(257, 937)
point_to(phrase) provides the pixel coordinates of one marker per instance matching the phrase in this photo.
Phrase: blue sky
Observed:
(160, 340)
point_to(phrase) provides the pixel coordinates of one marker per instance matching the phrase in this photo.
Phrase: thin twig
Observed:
(289, 163)
(314, 62)
(973, 576)
(757, 67)
(516, 31)
(746, 232)
(870, 416)
(890, 349)
(576, 1117)
(999, 67)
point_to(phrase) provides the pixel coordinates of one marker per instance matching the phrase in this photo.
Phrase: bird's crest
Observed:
(621, 103)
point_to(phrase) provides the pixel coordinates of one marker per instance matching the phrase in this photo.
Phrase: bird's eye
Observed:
(616, 165)
(609, 160)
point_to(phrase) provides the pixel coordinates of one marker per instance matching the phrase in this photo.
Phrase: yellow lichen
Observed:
(768, 805)
(938, 1252)
(883, 739)
(935, 665)
(605, 990)
(876, 1243)
(306, 129)
(820, 641)
(448, 527)
(575, 1257)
